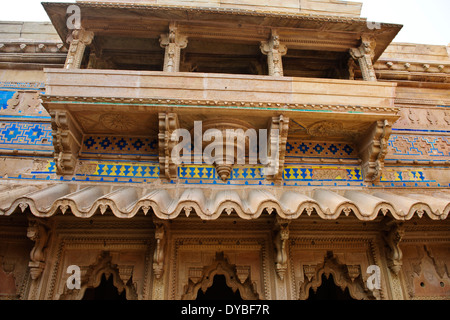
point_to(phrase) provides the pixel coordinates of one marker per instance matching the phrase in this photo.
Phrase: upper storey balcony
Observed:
(147, 69)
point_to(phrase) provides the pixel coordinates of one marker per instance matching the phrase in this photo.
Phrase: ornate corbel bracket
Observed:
(373, 149)
(66, 140)
(168, 123)
(277, 140)
(274, 51)
(158, 255)
(281, 236)
(79, 39)
(172, 42)
(364, 54)
(39, 232)
(393, 232)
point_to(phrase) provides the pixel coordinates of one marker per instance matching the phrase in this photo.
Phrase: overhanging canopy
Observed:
(169, 202)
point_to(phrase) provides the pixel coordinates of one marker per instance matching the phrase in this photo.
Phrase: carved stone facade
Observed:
(351, 190)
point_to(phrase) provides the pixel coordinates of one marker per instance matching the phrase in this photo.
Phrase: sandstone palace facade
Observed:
(93, 204)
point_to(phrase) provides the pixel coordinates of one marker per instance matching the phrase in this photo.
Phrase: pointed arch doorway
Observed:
(105, 291)
(219, 282)
(219, 291)
(328, 290)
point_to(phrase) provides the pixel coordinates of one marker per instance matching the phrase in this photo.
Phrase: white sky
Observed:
(425, 21)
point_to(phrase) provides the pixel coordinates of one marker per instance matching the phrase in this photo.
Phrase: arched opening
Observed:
(328, 290)
(105, 291)
(219, 291)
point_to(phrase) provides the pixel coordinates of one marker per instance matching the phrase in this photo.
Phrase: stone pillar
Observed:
(274, 51)
(173, 42)
(79, 40)
(364, 55)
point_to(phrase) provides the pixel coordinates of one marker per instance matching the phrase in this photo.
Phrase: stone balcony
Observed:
(124, 103)
(219, 87)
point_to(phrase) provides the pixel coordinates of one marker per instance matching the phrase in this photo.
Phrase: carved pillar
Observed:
(393, 232)
(159, 258)
(66, 140)
(281, 237)
(364, 55)
(173, 42)
(373, 149)
(274, 51)
(80, 39)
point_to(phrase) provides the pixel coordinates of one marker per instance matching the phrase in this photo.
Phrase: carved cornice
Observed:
(392, 111)
(32, 47)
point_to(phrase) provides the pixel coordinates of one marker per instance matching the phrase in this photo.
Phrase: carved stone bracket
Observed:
(277, 140)
(173, 42)
(39, 232)
(158, 255)
(79, 40)
(364, 55)
(281, 236)
(274, 51)
(168, 123)
(67, 138)
(373, 149)
(393, 232)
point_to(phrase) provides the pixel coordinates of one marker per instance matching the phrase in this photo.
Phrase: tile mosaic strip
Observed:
(313, 149)
(418, 146)
(25, 133)
(119, 145)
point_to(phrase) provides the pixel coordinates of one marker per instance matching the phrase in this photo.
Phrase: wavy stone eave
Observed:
(126, 202)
